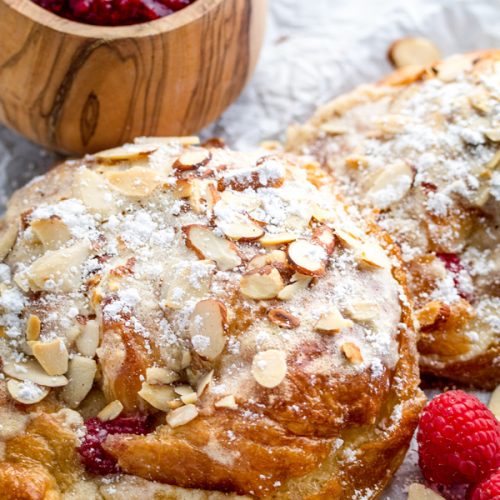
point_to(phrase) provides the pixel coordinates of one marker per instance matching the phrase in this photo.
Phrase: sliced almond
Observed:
(323, 236)
(110, 411)
(81, 375)
(8, 237)
(207, 245)
(347, 238)
(182, 415)
(299, 282)
(58, 270)
(93, 190)
(227, 402)
(204, 382)
(283, 318)
(26, 392)
(352, 353)
(160, 376)
(494, 404)
(183, 390)
(207, 328)
(244, 230)
(158, 396)
(420, 492)
(241, 202)
(52, 233)
(88, 340)
(494, 162)
(449, 69)
(127, 152)
(493, 134)
(413, 50)
(191, 160)
(188, 140)
(33, 327)
(263, 283)
(269, 368)
(273, 239)
(136, 182)
(261, 260)
(189, 281)
(363, 311)
(432, 314)
(320, 214)
(307, 258)
(332, 322)
(373, 255)
(31, 370)
(332, 128)
(390, 184)
(52, 356)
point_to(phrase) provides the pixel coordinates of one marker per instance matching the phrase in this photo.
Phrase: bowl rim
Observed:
(48, 19)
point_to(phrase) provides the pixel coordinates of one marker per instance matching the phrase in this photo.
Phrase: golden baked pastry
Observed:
(223, 313)
(422, 149)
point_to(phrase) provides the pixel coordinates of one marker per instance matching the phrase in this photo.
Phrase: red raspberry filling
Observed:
(113, 12)
(92, 454)
(458, 439)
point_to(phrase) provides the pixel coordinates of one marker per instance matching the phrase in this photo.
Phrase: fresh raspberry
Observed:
(92, 454)
(489, 489)
(458, 439)
(453, 264)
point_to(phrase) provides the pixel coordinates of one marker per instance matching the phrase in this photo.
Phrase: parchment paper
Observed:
(314, 51)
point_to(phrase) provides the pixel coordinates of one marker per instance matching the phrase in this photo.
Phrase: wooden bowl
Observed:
(77, 88)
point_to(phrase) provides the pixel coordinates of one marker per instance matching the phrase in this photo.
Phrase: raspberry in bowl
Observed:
(97, 86)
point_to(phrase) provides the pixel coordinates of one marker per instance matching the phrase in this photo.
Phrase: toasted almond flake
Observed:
(227, 402)
(52, 356)
(183, 390)
(432, 313)
(204, 382)
(283, 318)
(493, 134)
(26, 393)
(93, 190)
(261, 260)
(158, 396)
(307, 258)
(420, 492)
(174, 404)
(137, 182)
(188, 140)
(242, 231)
(88, 340)
(61, 268)
(262, 283)
(191, 160)
(332, 322)
(8, 237)
(190, 398)
(494, 404)
(272, 239)
(324, 237)
(207, 245)
(333, 128)
(494, 162)
(320, 214)
(363, 311)
(179, 286)
(299, 283)
(125, 153)
(452, 67)
(31, 370)
(182, 415)
(373, 255)
(347, 238)
(269, 368)
(52, 233)
(160, 376)
(390, 184)
(352, 352)
(207, 328)
(212, 197)
(110, 411)
(33, 327)
(81, 373)
(413, 50)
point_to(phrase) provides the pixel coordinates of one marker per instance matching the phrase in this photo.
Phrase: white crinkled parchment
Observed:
(313, 52)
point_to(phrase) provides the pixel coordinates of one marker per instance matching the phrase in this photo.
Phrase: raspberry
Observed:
(458, 439)
(489, 489)
(453, 264)
(92, 454)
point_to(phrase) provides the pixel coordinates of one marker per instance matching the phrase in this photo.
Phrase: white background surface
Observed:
(314, 50)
